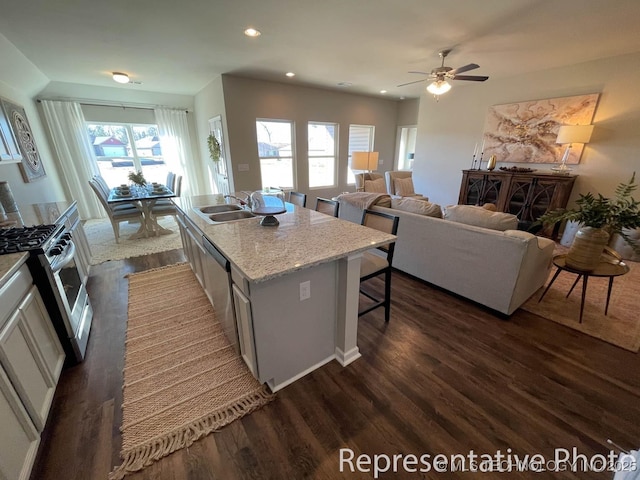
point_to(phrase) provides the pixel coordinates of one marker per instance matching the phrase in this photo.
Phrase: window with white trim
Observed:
(275, 151)
(360, 140)
(126, 147)
(322, 154)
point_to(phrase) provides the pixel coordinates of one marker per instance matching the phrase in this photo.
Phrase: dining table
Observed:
(144, 198)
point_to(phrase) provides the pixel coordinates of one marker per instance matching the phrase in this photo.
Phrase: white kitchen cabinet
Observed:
(20, 439)
(192, 246)
(31, 360)
(244, 322)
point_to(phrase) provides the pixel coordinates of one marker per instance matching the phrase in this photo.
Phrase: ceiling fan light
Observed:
(438, 87)
(120, 77)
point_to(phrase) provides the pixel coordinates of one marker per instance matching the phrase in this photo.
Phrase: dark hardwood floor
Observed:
(444, 376)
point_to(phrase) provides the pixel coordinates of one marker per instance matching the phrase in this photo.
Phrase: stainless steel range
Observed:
(53, 264)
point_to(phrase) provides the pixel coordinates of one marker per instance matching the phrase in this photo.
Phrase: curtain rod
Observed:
(107, 103)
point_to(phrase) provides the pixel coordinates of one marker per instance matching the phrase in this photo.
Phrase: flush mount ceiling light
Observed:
(251, 32)
(120, 77)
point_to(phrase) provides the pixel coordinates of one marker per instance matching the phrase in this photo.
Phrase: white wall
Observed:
(248, 99)
(448, 129)
(209, 103)
(19, 80)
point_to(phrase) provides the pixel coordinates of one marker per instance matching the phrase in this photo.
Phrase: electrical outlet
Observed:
(305, 290)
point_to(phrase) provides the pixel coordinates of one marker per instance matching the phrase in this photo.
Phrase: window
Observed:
(322, 154)
(360, 140)
(123, 148)
(275, 151)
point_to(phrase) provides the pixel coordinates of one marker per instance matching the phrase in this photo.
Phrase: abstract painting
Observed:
(526, 132)
(31, 166)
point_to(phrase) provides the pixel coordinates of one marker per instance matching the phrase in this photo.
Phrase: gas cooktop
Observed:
(22, 239)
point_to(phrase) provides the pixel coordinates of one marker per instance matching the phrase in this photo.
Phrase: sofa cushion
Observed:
(480, 217)
(413, 205)
(375, 186)
(403, 187)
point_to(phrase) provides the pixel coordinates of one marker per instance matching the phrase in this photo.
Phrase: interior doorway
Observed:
(406, 142)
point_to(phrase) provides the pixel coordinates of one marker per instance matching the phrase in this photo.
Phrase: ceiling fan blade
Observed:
(420, 73)
(473, 78)
(465, 68)
(409, 83)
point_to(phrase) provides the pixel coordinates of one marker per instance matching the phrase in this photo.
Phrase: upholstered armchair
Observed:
(370, 182)
(400, 183)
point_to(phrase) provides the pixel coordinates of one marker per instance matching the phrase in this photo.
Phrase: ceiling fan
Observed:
(441, 74)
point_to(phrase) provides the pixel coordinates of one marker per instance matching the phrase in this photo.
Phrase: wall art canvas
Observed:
(526, 132)
(31, 166)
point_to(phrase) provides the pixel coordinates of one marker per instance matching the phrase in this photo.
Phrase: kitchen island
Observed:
(294, 286)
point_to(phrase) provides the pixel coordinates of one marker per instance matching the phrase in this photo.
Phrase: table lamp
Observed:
(364, 161)
(567, 135)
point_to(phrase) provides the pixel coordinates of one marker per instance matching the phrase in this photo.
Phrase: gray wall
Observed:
(448, 129)
(247, 99)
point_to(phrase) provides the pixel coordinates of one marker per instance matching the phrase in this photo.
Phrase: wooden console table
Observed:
(524, 194)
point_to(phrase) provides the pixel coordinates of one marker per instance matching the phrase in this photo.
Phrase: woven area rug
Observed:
(182, 378)
(621, 326)
(104, 247)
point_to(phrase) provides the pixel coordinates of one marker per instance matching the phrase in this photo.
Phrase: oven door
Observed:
(73, 297)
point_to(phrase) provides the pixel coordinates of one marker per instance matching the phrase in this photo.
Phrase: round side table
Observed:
(604, 269)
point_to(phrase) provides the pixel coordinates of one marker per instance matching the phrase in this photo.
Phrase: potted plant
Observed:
(599, 218)
(214, 147)
(137, 178)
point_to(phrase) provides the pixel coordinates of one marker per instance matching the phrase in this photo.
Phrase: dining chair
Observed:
(115, 212)
(330, 207)
(374, 264)
(171, 181)
(164, 206)
(100, 181)
(298, 198)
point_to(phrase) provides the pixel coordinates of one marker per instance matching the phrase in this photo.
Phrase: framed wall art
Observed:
(526, 132)
(31, 166)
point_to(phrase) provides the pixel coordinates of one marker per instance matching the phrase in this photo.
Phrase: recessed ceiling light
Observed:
(120, 77)
(251, 32)
(344, 84)
(290, 74)
(383, 91)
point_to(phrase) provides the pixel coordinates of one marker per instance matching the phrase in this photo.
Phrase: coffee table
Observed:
(610, 269)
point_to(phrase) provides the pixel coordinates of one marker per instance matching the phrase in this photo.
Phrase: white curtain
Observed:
(176, 148)
(75, 153)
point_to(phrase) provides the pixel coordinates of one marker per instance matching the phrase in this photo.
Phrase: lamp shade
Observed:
(364, 160)
(574, 134)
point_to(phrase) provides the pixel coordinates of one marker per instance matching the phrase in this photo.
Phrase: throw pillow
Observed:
(480, 217)
(420, 207)
(375, 186)
(404, 187)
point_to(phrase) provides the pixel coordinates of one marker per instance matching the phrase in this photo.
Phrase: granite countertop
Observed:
(303, 239)
(35, 214)
(9, 264)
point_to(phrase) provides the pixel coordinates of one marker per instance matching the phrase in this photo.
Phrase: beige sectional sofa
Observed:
(498, 269)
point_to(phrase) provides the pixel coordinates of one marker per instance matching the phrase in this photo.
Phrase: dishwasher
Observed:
(220, 291)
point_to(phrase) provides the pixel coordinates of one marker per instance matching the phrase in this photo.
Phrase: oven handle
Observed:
(61, 262)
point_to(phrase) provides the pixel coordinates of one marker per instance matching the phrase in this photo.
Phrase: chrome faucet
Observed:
(246, 202)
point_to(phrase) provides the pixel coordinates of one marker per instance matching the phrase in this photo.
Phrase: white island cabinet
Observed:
(31, 359)
(294, 286)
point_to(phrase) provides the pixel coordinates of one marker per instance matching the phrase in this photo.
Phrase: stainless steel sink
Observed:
(219, 208)
(229, 216)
